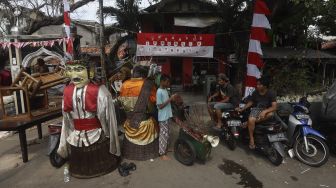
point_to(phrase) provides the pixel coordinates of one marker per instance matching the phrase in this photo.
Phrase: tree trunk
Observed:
(46, 21)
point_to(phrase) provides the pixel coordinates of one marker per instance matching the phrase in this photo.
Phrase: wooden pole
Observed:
(324, 73)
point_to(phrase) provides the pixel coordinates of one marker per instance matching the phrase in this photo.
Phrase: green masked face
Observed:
(78, 75)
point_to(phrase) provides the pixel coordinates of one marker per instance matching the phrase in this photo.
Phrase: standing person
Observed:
(164, 114)
(263, 103)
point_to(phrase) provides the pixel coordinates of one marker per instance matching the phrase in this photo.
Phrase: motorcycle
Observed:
(270, 138)
(307, 144)
(54, 139)
(232, 121)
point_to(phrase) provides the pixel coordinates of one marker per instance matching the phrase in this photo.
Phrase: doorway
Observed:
(176, 71)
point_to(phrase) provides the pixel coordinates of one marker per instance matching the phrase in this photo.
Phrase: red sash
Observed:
(86, 124)
(91, 97)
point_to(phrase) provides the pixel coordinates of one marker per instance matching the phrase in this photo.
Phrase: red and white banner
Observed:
(67, 22)
(258, 35)
(260, 20)
(48, 43)
(178, 45)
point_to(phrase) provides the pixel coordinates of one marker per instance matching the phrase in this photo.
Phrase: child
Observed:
(164, 114)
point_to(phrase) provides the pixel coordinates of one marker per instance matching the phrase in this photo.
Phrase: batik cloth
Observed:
(163, 137)
(255, 112)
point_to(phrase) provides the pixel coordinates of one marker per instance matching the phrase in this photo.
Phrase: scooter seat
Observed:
(270, 123)
(268, 127)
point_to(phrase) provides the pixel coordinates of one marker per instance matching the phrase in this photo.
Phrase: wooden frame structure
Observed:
(33, 90)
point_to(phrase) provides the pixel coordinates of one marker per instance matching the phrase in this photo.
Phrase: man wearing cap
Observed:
(227, 99)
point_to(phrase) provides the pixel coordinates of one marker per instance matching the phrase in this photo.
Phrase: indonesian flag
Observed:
(260, 20)
(67, 22)
(178, 45)
(261, 8)
(258, 35)
(255, 47)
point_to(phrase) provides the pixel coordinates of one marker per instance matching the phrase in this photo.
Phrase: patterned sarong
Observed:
(163, 137)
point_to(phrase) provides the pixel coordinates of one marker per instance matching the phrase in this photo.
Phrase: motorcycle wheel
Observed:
(184, 152)
(315, 144)
(232, 143)
(56, 160)
(275, 157)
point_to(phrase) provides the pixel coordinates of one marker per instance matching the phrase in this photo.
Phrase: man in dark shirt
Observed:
(263, 103)
(228, 98)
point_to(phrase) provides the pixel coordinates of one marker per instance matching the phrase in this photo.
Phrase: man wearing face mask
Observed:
(89, 135)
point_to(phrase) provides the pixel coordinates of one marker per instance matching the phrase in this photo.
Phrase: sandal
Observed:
(252, 146)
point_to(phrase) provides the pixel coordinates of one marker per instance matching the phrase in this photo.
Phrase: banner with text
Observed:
(178, 45)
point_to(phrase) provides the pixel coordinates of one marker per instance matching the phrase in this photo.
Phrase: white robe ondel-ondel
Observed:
(106, 115)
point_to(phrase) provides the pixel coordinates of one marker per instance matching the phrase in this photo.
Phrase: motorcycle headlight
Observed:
(302, 116)
(225, 115)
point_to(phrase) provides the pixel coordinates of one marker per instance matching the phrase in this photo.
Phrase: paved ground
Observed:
(239, 168)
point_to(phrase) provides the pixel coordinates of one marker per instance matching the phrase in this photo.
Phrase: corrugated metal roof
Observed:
(158, 6)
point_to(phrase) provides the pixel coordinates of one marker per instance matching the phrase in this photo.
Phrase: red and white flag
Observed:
(258, 35)
(67, 22)
(178, 45)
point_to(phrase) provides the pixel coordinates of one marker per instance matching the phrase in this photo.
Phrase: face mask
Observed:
(78, 75)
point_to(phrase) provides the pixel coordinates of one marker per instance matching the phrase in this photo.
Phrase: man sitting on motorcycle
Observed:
(226, 94)
(263, 103)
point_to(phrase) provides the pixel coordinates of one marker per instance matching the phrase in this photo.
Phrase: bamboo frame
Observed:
(30, 85)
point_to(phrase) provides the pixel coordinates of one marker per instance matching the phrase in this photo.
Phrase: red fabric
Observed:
(70, 47)
(162, 39)
(250, 81)
(67, 18)
(67, 97)
(260, 7)
(86, 124)
(6, 78)
(91, 97)
(255, 59)
(258, 33)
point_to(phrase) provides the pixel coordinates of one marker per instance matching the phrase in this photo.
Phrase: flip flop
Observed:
(252, 146)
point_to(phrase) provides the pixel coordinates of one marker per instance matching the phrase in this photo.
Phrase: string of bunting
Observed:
(225, 33)
(48, 43)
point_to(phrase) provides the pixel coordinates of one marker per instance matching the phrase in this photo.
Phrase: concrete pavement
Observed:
(226, 168)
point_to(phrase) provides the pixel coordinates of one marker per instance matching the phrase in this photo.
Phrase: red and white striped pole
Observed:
(67, 22)
(258, 35)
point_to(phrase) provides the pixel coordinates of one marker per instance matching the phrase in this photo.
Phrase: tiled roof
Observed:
(95, 50)
(329, 45)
